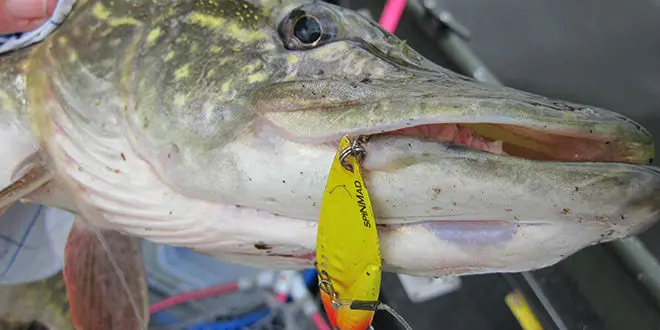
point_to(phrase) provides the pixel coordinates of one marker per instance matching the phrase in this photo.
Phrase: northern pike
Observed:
(211, 124)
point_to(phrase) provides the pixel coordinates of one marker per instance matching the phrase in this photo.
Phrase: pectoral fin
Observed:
(98, 294)
(30, 175)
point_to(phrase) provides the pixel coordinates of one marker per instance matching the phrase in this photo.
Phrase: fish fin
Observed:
(30, 175)
(105, 278)
(51, 194)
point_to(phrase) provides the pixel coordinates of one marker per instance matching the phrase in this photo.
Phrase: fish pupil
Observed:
(307, 29)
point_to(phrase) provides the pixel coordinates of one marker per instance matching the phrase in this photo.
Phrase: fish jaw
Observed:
(248, 188)
(440, 208)
(476, 212)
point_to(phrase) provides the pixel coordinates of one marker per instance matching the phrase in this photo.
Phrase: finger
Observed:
(24, 15)
(9, 26)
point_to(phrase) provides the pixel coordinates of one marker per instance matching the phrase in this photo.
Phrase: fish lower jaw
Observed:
(244, 235)
(430, 248)
(112, 186)
(150, 209)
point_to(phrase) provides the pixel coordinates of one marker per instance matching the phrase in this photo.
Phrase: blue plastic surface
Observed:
(174, 270)
(239, 323)
(197, 270)
(32, 239)
(309, 276)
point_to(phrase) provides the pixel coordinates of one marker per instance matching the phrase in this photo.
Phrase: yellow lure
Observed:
(347, 249)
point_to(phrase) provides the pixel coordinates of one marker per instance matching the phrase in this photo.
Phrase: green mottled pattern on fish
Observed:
(44, 301)
(12, 94)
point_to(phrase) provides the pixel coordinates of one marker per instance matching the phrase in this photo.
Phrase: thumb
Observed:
(24, 15)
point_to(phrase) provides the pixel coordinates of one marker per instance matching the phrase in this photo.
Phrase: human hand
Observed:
(24, 15)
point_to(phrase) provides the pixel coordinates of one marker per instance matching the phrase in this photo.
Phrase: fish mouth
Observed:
(454, 109)
(525, 142)
(463, 176)
(504, 147)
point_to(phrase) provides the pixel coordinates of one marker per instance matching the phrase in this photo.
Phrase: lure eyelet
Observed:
(356, 149)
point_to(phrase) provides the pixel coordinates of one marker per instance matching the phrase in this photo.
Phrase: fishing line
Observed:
(121, 275)
(397, 316)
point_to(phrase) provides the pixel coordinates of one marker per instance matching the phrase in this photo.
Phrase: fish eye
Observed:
(307, 27)
(308, 30)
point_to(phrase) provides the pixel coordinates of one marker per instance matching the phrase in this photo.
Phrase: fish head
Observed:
(243, 103)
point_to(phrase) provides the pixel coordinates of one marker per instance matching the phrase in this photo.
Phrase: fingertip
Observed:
(50, 6)
(20, 25)
(30, 9)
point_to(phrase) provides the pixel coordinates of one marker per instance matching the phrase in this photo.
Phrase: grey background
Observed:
(602, 52)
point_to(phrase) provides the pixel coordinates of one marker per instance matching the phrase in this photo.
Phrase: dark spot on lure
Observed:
(123, 157)
(262, 246)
